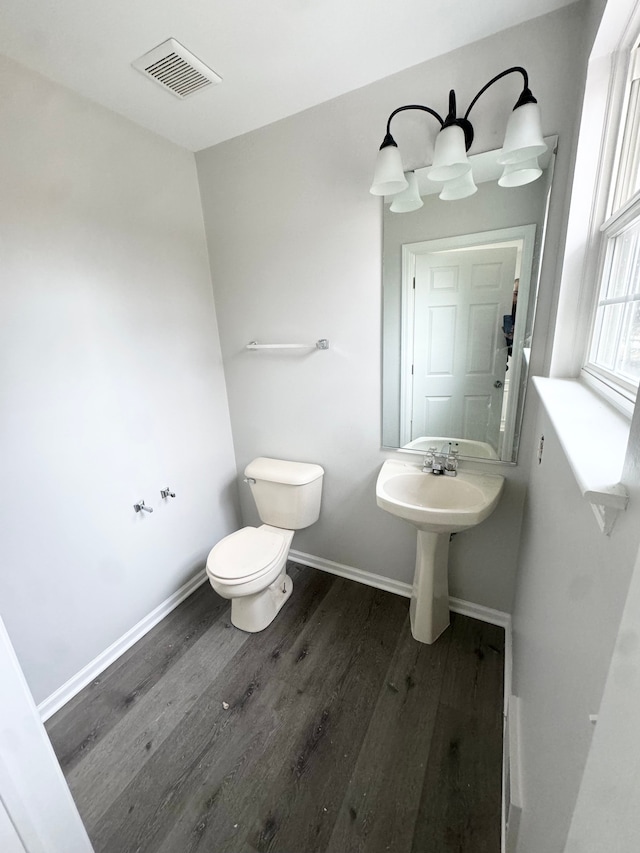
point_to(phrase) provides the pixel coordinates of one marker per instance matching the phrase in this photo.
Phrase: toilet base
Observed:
(254, 613)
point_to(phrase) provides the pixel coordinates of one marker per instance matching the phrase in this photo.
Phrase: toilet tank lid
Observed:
(281, 471)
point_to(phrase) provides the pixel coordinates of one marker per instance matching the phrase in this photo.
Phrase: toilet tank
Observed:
(287, 494)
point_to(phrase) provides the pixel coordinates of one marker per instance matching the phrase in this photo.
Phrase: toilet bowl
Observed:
(249, 566)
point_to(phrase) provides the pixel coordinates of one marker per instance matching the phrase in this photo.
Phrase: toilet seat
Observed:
(247, 554)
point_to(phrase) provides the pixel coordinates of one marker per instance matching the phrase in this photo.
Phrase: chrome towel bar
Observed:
(323, 343)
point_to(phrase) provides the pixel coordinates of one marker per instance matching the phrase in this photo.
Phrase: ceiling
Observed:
(276, 57)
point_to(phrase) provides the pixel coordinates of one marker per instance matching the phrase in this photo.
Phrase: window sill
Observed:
(594, 438)
(620, 400)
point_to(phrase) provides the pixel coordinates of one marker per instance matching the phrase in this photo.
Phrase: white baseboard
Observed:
(480, 612)
(512, 778)
(351, 573)
(458, 605)
(93, 669)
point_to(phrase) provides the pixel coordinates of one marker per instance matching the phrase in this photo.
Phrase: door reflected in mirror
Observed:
(459, 307)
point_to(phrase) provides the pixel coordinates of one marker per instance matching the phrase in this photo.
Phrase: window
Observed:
(614, 351)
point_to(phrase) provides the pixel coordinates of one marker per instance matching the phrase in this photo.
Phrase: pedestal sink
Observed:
(438, 506)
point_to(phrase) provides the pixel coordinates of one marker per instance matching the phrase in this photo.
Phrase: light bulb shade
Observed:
(388, 178)
(450, 155)
(458, 188)
(519, 174)
(408, 199)
(523, 138)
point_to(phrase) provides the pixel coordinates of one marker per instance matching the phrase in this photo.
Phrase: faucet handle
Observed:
(451, 463)
(429, 457)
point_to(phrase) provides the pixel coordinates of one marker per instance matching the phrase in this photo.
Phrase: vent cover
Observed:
(174, 68)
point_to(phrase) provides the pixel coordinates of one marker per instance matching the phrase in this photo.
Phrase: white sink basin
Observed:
(437, 503)
(438, 506)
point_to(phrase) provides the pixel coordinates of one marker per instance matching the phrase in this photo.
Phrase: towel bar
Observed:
(323, 343)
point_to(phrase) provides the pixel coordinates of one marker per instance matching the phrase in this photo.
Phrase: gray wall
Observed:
(110, 377)
(295, 249)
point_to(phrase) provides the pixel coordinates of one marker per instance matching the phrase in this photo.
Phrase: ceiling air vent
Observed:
(177, 70)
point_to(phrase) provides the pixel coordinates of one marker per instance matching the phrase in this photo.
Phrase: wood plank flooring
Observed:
(342, 733)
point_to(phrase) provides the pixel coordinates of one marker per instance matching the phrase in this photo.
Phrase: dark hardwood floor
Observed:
(332, 730)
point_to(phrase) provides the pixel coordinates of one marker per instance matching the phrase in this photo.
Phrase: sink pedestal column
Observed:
(429, 608)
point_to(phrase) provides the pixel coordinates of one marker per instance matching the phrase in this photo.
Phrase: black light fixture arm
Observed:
(526, 97)
(389, 140)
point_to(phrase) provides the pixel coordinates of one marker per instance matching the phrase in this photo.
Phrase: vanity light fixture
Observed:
(523, 144)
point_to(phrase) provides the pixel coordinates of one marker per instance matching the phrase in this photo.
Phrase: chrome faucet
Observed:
(441, 462)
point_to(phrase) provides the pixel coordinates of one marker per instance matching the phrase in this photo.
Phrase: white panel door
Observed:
(459, 349)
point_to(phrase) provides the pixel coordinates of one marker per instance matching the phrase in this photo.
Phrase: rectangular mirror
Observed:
(460, 284)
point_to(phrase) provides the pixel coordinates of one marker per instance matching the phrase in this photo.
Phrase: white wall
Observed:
(607, 818)
(295, 247)
(572, 585)
(111, 378)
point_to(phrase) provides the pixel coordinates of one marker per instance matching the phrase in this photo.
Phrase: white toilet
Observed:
(249, 566)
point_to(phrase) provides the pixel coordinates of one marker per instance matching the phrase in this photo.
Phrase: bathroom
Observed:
(133, 276)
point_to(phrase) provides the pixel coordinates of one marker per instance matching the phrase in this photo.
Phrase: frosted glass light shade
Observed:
(388, 178)
(519, 174)
(450, 155)
(458, 188)
(408, 199)
(523, 138)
